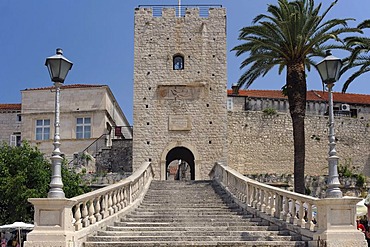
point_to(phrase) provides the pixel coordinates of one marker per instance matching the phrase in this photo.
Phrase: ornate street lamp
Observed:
(58, 67)
(329, 69)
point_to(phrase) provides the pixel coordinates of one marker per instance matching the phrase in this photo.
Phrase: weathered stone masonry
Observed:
(180, 108)
(261, 143)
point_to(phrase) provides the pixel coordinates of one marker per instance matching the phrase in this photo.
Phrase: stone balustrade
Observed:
(67, 222)
(326, 222)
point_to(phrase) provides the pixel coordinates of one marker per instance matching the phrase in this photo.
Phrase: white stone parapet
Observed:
(67, 222)
(323, 222)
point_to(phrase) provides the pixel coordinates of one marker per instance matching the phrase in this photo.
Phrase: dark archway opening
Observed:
(180, 164)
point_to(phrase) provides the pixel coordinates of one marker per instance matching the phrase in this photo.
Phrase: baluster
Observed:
(272, 204)
(85, 215)
(294, 213)
(133, 192)
(310, 225)
(123, 197)
(247, 194)
(91, 212)
(105, 206)
(77, 217)
(241, 189)
(278, 206)
(254, 197)
(98, 215)
(268, 201)
(282, 215)
(129, 194)
(288, 214)
(122, 201)
(114, 201)
(258, 198)
(119, 205)
(262, 200)
(301, 220)
(110, 204)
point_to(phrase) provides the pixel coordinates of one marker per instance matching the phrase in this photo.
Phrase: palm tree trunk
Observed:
(297, 90)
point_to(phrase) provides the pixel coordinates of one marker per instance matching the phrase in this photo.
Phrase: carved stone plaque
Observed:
(49, 218)
(179, 122)
(181, 92)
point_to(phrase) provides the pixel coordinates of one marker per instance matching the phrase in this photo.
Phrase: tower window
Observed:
(178, 62)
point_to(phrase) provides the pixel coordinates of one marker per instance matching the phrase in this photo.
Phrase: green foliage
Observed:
(344, 171)
(360, 180)
(25, 173)
(347, 170)
(359, 58)
(288, 36)
(73, 184)
(269, 111)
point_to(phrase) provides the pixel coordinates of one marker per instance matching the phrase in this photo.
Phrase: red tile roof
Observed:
(66, 87)
(312, 95)
(10, 107)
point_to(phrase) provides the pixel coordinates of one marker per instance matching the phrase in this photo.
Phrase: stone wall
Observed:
(180, 108)
(9, 125)
(117, 158)
(261, 143)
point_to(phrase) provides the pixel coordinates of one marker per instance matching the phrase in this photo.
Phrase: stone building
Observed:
(180, 88)
(182, 110)
(10, 124)
(356, 106)
(89, 119)
(261, 140)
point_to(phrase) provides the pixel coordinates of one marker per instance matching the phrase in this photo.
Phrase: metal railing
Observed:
(92, 149)
(181, 9)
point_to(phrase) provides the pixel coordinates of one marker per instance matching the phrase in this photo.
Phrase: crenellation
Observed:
(168, 13)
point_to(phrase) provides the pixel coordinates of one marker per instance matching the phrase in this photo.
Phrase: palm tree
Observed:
(359, 58)
(289, 36)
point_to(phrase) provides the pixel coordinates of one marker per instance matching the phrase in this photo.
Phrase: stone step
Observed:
(219, 217)
(257, 222)
(193, 213)
(169, 227)
(210, 204)
(141, 209)
(244, 237)
(198, 244)
(188, 213)
(192, 232)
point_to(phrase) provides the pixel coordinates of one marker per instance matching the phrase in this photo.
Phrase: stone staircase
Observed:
(193, 213)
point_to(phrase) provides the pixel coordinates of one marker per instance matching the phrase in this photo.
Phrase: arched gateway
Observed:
(180, 151)
(180, 89)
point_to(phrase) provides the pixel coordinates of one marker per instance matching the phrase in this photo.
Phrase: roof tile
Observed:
(10, 107)
(312, 95)
(66, 87)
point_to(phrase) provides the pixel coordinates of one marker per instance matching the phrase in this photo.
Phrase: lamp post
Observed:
(329, 69)
(58, 67)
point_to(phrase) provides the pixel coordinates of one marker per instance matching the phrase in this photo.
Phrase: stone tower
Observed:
(180, 89)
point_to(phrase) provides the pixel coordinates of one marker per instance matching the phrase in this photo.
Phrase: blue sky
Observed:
(97, 36)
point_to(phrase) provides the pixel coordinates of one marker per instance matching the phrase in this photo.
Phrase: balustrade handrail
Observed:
(286, 206)
(62, 220)
(333, 223)
(97, 205)
(132, 178)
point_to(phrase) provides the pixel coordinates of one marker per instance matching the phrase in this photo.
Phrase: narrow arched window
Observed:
(178, 62)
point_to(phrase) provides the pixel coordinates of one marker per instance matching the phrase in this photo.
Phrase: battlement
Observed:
(181, 11)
